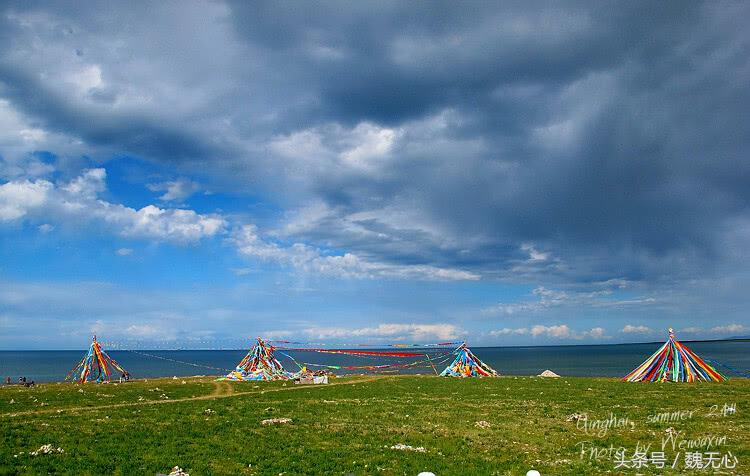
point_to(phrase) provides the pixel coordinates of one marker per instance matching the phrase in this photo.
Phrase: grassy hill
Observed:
(504, 425)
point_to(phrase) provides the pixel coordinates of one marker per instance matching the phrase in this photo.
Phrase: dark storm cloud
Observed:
(612, 136)
(134, 133)
(656, 165)
(388, 61)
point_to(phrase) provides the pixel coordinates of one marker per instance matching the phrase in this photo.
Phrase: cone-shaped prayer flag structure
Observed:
(259, 364)
(466, 364)
(674, 362)
(96, 366)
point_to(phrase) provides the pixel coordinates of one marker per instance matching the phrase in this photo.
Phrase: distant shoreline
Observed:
(604, 360)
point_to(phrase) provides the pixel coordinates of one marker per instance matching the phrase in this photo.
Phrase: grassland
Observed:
(350, 425)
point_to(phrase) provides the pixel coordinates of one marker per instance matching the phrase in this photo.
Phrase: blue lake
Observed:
(583, 360)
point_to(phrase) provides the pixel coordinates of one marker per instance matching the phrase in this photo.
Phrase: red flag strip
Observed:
(363, 352)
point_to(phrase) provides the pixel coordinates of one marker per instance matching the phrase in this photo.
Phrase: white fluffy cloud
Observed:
(718, 331)
(597, 333)
(309, 259)
(360, 147)
(167, 224)
(559, 331)
(77, 200)
(408, 331)
(630, 329)
(728, 329)
(156, 326)
(534, 254)
(18, 198)
(508, 331)
(88, 185)
(20, 136)
(175, 190)
(44, 201)
(550, 298)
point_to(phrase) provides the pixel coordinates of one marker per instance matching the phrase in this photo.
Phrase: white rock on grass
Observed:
(46, 450)
(577, 416)
(274, 421)
(403, 447)
(177, 471)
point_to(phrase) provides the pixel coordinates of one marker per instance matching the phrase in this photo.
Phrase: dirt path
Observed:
(221, 390)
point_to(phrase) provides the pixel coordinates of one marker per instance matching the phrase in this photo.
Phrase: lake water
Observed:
(583, 360)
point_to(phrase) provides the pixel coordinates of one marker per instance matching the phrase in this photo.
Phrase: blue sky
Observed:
(192, 175)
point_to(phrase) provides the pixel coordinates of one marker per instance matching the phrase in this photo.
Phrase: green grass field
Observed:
(350, 425)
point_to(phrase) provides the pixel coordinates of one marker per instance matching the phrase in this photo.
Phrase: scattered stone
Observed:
(274, 421)
(483, 424)
(208, 411)
(270, 409)
(403, 447)
(184, 382)
(12, 401)
(577, 416)
(177, 471)
(46, 450)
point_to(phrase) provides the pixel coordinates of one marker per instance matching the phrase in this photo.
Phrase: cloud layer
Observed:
(42, 200)
(594, 153)
(460, 138)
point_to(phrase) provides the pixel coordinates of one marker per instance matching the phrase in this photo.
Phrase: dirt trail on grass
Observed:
(220, 391)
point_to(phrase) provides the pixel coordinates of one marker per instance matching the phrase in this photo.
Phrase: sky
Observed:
(193, 174)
